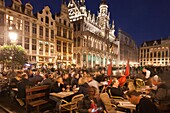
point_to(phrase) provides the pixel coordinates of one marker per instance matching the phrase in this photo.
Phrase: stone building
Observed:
(155, 52)
(128, 49)
(47, 38)
(94, 38)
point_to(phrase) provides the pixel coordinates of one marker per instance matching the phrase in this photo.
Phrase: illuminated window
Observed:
(65, 33)
(19, 24)
(9, 20)
(27, 27)
(46, 34)
(58, 46)
(34, 28)
(69, 48)
(41, 31)
(46, 47)
(64, 47)
(52, 35)
(34, 43)
(52, 48)
(40, 46)
(26, 43)
(58, 31)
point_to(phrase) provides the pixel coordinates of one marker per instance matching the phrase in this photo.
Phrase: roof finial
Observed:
(103, 2)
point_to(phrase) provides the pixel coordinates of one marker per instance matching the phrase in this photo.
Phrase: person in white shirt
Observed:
(148, 73)
(92, 82)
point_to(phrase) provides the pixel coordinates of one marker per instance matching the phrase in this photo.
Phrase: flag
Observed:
(109, 70)
(122, 80)
(127, 71)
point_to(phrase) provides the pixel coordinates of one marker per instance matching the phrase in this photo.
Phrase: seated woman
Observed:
(83, 85)
(91, 103)
(74, 80)
(115, 89)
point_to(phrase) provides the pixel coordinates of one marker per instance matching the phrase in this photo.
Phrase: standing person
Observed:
(143, 105)
(147, 72)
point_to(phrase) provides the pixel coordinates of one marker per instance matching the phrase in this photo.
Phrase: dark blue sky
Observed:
(144, 20)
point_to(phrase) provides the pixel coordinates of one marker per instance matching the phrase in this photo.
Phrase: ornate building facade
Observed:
(47, 38)
(94, 38)
(155, 53)
(128, 49)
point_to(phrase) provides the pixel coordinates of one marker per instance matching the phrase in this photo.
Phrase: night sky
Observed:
(144, 20)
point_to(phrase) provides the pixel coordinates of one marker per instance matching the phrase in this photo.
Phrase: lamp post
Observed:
(13, 34)
(74, 63)
(13, 37)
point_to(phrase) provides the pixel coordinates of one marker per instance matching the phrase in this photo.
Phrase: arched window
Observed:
(78, 58)
(75, 42)
(46, 20)
(74, 56)
(78, 42)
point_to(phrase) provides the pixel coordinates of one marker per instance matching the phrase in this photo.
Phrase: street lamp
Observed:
(74, 63)
(13, 37)
(12, 34)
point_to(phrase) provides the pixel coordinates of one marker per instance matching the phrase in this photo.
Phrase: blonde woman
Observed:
(83, 85)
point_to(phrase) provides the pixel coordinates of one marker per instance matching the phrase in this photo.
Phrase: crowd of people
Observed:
(89, 83)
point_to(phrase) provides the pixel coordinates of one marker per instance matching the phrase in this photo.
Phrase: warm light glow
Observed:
(108, 62)
(97, 62)
(50, 60)
(13, 36)
(74, 61)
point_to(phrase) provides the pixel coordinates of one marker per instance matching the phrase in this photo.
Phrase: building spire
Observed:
(82, 2)
(103, 2)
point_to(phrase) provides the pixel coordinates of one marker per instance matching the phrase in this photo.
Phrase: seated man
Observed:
(160, 91)
(14, 81)
(22, 87)
(115, 89)
(91, 103)
(143, 105)
(58, 86)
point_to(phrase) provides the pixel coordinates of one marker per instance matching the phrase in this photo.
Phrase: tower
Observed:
(2, 3)
(103, 15)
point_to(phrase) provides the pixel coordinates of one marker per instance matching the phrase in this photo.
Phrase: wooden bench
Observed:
(36, 96)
